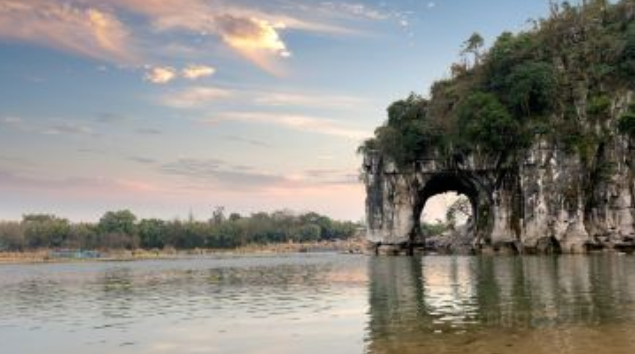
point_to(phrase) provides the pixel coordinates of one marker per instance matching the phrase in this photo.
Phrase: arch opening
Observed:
(447, 212)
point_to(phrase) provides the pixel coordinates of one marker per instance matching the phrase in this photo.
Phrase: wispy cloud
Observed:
(142, 160)
(300, 123)
(306, 100)
(105, 30)
(80, 185)
(255, 39)
(81, 29)
(194, 72)
(357, 9)
(195, 97)
(202, 96)
(160, 74)
(252, 142)
(148, 131)
(65, 128)
(111, 118)
(14, 122)
(164, 74)
(215, 172)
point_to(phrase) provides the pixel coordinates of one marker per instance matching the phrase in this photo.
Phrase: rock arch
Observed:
(466, 183)
(542, 202)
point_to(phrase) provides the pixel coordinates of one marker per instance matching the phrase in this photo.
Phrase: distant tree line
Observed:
(123, 230)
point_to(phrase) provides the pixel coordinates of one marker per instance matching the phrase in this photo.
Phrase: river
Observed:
(321, 303)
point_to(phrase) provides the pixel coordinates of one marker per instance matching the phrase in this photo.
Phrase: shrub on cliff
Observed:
(484, 120)
(626, 124)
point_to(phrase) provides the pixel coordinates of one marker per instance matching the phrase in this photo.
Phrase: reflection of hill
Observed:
(442, 302)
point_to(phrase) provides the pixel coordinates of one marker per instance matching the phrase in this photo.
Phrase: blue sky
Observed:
(172, 106)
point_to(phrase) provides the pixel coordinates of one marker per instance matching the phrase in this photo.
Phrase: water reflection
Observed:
(483, 304)
(322, 303)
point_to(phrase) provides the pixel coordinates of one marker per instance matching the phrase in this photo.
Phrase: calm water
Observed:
(322, 304)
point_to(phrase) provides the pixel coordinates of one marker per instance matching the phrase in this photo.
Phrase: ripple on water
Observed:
(317, 303)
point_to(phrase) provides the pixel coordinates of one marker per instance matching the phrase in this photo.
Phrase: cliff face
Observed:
(547, 199)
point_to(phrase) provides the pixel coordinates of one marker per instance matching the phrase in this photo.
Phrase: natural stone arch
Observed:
(466, 183)
(396, 198)
(542, 202)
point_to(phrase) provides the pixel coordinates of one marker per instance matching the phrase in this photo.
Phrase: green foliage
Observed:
(532, 88)
(431, 230)
(599, 106)
(43, 231)
(152, 233)
(627, 58)
(407, 135)
(118, 222)
(507, 52)
(626, 124)
(473, 46)
(485, 121)
(120, 230)
(527, 84)
(12, 236)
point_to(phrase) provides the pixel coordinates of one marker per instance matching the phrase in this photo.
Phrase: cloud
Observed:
(133, 32)
(206, 173)
(201, 96)
(14, 122)
(80, 29)
(164, 74)
(253, 142)
(252, 37)
(300, 123)
(357, 9)
(194, 72)
(195, 97)
(72, 128)
(51, 127)
(217, 172)
(142, 160)
(148, 131)
(160, 75)
(104, 187)
(306, 100)
(110, 118)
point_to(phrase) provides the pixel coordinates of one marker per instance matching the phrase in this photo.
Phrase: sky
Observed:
(172, 107)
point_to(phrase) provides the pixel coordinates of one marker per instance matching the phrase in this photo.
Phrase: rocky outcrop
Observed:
(544, 199)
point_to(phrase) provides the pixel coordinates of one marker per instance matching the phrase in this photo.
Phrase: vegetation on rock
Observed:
(527, 85)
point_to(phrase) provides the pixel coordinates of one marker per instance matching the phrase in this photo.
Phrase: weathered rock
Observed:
(546, 200)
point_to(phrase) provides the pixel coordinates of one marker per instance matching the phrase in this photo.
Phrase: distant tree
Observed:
(152, 233)
(218, 215)
(83, 236)
(473, 46)
(307, 233)
(122, 222)
(43, 230)
(118, 230)
(460, 209)
(12, 236)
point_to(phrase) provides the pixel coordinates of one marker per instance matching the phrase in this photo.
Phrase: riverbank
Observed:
(352, 246)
